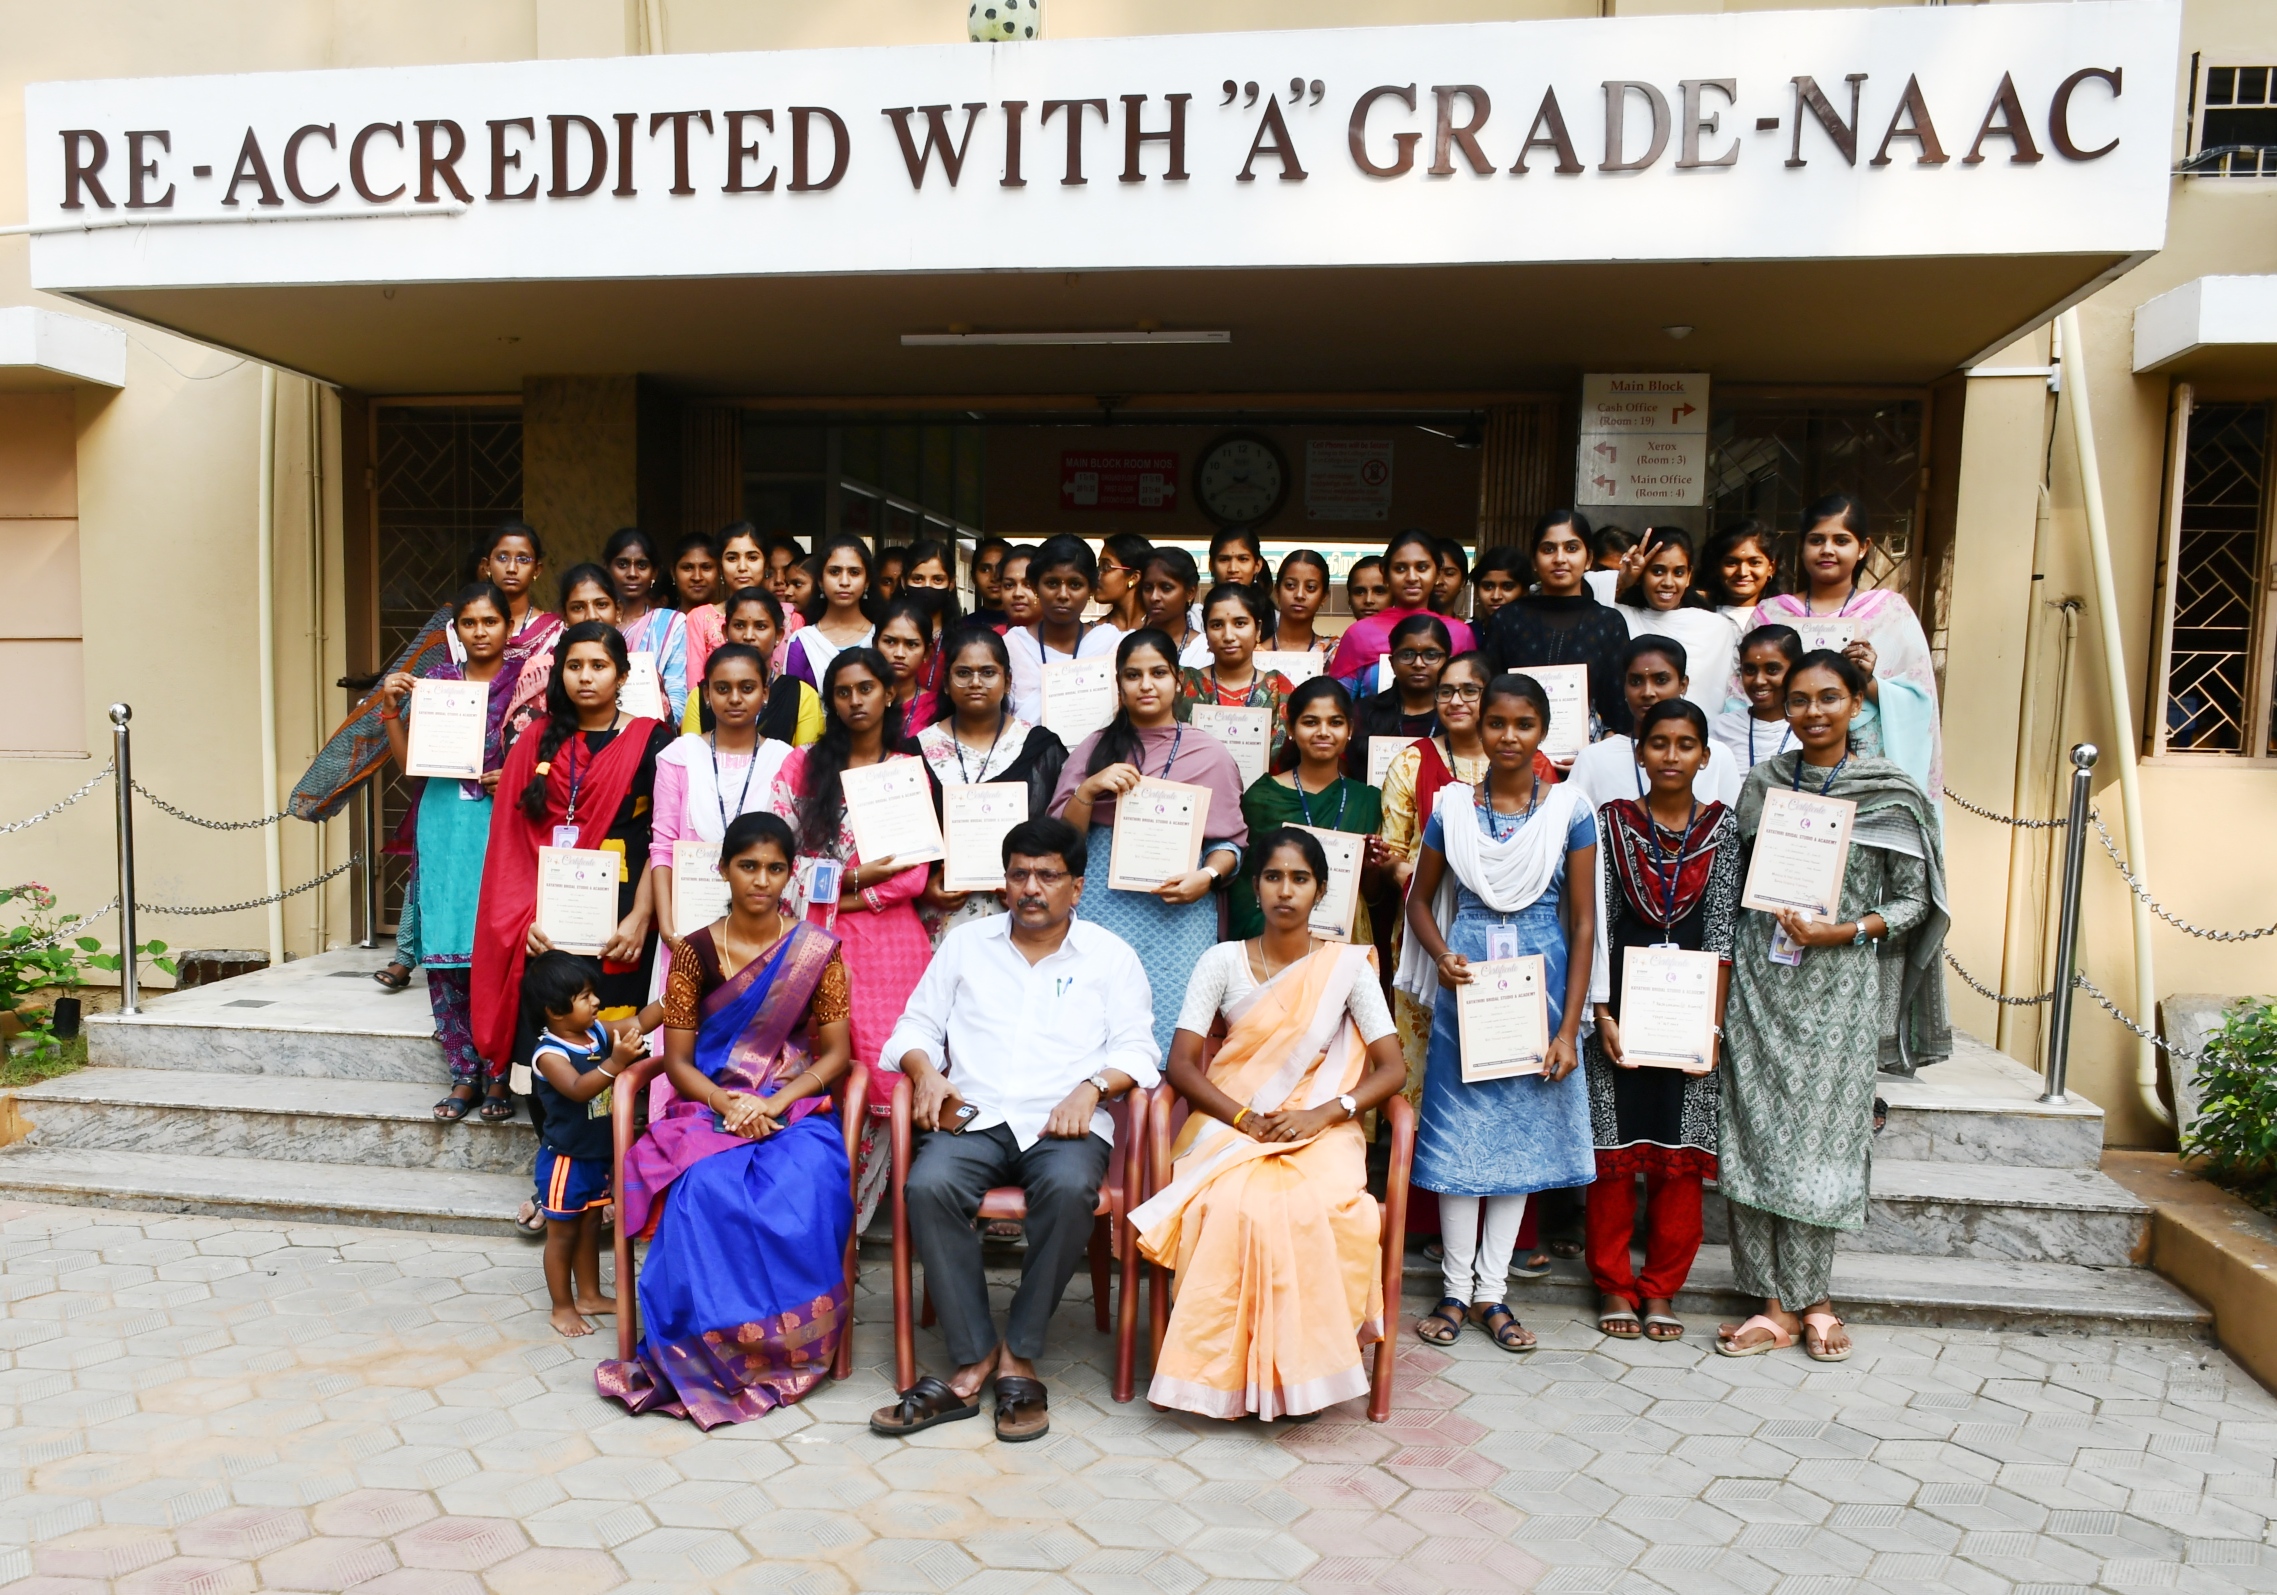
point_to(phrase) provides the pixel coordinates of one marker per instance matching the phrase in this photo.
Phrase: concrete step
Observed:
(1982, 1106)
(458, 1201)
(1972, 1210)
(384, 1123)
(322, 1017)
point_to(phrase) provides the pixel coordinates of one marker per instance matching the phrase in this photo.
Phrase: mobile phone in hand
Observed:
(962, 1117)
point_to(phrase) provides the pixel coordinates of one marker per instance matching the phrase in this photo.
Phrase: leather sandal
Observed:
(1022, 1409)
(498, 1105)
(392, 977)
(1503, 1328)
(1437, 1328)
(453, 1108)
(921, 1406)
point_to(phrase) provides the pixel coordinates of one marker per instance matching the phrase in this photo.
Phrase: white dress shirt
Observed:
(1029, 654)
(1607, 769)
(1015, 1038)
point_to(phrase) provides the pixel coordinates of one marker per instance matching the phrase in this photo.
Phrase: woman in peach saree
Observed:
(1267, 1218)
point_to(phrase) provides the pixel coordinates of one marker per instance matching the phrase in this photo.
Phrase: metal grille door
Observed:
(2225, 476)
(444, 476)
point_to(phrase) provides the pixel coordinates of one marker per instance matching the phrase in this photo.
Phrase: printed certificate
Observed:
(890, 806)
(445, 729)
(1247, 734)
(643, 691)
(1668, 1009)
(1339, 904)
(973, 822)
(1299, 668)
(1158, 834)
(699, 895)
(1504, 1016)
(1800, 852)
(577, 897)
(1078, 696)
(1834, 632)
(1568, 687)
(1381, 752)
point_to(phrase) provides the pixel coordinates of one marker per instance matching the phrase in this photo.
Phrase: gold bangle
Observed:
(1237, 1118)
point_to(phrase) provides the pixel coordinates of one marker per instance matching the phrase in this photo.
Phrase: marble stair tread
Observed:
(330, 992)
(235, 1187)
(247, 1093)
(1981, 1106)
(1979, 1079)
(1975, 1184)
(1878, 1288)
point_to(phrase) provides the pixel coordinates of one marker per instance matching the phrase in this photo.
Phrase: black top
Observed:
(575, 1129)
(1541, 630)
(1042, 756)
(1380, 715)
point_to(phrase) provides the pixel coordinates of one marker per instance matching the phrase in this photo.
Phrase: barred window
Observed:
(2216, 687)
(2237, 124)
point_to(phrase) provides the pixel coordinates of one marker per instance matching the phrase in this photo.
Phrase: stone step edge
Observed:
(46, 1093)
(2082, 1190)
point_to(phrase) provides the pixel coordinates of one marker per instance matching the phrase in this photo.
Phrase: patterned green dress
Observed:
(1803, 1043)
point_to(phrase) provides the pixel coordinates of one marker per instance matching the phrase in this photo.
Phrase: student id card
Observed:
(566, 835)
(1501, 942)
(1785, 949)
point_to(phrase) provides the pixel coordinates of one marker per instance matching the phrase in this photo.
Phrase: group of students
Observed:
(783, 670)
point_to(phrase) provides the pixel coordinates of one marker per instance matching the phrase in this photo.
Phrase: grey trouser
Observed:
(948, 1177)
(1781, 1257)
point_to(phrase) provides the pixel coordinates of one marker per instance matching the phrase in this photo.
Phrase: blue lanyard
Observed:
(1304, 804)
(1664, 865)
(719, 790)
(1248, 699)
(1785, 731)
(1825, 785)
(1168, 763)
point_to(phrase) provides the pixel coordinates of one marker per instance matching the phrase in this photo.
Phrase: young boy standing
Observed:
(575, 1059)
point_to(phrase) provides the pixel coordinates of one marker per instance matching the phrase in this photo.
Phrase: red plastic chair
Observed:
(631, 1088)
(1168, 1113)
(1110, 1233)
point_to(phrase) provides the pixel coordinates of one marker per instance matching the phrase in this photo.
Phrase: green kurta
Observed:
(1268, 805)
(1803, 1043)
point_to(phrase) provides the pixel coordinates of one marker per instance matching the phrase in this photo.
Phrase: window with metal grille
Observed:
(2237, 124)
(2211, 692)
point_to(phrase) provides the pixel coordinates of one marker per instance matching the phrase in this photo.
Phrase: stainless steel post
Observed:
(2083, 758)
(130, 992)
(371, 867)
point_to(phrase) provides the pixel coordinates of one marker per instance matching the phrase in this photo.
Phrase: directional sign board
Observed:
(1644, 438)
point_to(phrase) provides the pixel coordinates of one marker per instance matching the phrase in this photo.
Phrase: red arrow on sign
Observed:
(1678, 412)
(1612, 455)
(1605, 482)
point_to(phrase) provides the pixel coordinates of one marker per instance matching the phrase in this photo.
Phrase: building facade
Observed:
(305, 298)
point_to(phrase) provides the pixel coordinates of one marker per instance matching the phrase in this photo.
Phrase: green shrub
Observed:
(2236, 1128)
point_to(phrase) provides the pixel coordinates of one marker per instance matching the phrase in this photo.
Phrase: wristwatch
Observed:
(1861, 938)
(1098, 1083)
(1350, 1107)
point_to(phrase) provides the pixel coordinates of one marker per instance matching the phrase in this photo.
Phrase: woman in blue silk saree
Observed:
(743, 1185)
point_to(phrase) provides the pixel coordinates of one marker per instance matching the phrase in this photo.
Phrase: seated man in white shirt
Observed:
(1022, 1027)
(1652, 668)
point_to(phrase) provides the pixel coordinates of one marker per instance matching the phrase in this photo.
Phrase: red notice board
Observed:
(1122, 483)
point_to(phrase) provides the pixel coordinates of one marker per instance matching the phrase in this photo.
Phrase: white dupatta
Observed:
(1506, 876)
(692, 754)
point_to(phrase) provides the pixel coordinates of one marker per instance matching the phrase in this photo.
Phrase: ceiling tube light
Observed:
(1052, 340)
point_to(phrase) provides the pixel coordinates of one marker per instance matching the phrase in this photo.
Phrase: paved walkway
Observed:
(210, 1406)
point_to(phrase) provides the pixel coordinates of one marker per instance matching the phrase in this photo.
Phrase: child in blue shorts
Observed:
(572, 1065)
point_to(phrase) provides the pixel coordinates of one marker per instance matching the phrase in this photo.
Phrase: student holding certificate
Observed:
(584, 780)
(453, 829)
(1657, 598)
(1318, 794)
(1173, 925)
(1233, 618)
(1507, 871)
(1671, 882)
(1898, 718)
(884, 945)
(1408, 707)
(1062, 575)
(1563, 623)
(1816, 1011)
(982, 741)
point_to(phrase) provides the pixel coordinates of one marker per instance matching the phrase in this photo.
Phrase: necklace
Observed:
(721, 945)
(1246, 696)
(719, 788)
(1533, 796)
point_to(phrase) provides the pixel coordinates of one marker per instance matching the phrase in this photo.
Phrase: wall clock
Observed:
(1241, 480)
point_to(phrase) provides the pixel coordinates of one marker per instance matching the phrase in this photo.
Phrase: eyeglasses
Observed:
(1046, 878)
(1832, 698)
(513, 561)
(1470, 693)
(1419, 656)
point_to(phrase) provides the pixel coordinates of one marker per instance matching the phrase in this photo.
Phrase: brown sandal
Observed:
(921, 1406)
(1022, 1409)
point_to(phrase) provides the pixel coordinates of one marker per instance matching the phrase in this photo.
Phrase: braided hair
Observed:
(561, 713)
(823, 803)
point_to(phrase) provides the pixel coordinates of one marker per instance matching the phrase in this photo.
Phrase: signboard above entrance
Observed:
(1888, 132)
(1644, 438)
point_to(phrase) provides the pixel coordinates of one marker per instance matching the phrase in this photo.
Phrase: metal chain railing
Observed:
(311, 884)
(1984, 813)
(2119, 862)
(2179, 1054)
(164, 807)
(77, 927)
(1990, 995)
(55, 808)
